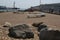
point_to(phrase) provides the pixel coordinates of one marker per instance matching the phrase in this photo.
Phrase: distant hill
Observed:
(54, 4)
(46, 8)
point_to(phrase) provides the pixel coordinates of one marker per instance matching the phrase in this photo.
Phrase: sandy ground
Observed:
(50, 19)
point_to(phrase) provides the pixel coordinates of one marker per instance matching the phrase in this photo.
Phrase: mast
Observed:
(14, 4)
(40, 3)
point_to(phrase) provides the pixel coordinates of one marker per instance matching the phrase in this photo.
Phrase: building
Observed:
(8, 9)
(2, 8)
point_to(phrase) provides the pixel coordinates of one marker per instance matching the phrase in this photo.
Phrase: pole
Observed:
(14, 4)
(40, 2)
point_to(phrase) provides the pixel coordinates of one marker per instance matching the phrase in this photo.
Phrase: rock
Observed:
(37, 24)
(21, 31)
(42, 27)
(49, 35)
(7, 24)
(17, 34)
(29, 35)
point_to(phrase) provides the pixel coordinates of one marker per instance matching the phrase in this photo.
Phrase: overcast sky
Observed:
(26, 3)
